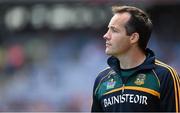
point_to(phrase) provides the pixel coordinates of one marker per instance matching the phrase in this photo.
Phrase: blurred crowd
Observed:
(47, 72)
(50, 73)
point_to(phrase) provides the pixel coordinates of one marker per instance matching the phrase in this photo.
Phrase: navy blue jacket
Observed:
(153, 86)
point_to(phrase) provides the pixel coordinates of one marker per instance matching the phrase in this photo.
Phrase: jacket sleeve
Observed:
(96, 105)
(170, 92)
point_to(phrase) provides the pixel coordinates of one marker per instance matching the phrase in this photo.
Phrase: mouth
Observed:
(108, 44)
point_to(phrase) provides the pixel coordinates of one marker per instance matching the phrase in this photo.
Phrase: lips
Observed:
(108, 44)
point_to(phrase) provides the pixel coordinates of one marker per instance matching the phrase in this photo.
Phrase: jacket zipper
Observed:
(125, 81)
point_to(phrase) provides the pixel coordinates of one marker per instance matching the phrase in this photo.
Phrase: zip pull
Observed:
(123, 88)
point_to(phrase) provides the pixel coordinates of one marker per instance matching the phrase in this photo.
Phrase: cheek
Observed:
(122, 45)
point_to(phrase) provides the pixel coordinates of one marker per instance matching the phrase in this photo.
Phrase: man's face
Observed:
(117, 42)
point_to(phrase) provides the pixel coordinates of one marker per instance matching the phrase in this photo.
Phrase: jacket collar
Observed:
(114, 63)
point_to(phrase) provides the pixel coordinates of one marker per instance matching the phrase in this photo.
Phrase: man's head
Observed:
(136, 24)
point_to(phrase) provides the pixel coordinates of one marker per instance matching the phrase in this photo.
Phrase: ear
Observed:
(134, 38)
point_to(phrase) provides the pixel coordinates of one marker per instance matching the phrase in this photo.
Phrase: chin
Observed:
(108, 52)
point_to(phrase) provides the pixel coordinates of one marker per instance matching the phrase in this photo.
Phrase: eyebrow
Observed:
(114, 27)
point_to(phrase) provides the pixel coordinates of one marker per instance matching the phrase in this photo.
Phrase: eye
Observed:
(114, 29)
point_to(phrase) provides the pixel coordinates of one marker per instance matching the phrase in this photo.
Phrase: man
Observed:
(135, 80)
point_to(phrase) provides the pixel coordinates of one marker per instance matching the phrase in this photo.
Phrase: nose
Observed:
(106, 35)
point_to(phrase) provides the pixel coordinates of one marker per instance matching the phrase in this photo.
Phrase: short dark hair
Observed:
(139, 22)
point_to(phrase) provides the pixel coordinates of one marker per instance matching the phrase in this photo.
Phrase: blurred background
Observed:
(52, 50)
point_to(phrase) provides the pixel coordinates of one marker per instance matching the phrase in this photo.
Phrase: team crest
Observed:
(111, 84)
(140, 79)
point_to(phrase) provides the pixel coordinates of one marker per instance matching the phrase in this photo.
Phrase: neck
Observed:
(131, 59)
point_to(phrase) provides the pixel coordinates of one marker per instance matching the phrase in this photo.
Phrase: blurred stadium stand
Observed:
(52, 50)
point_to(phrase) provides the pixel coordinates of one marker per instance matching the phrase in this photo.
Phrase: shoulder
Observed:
(166, 73)
(101, 76)
(162, 68)
(170, 83)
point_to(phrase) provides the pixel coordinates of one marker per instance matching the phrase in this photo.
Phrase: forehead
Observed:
(119, 19)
